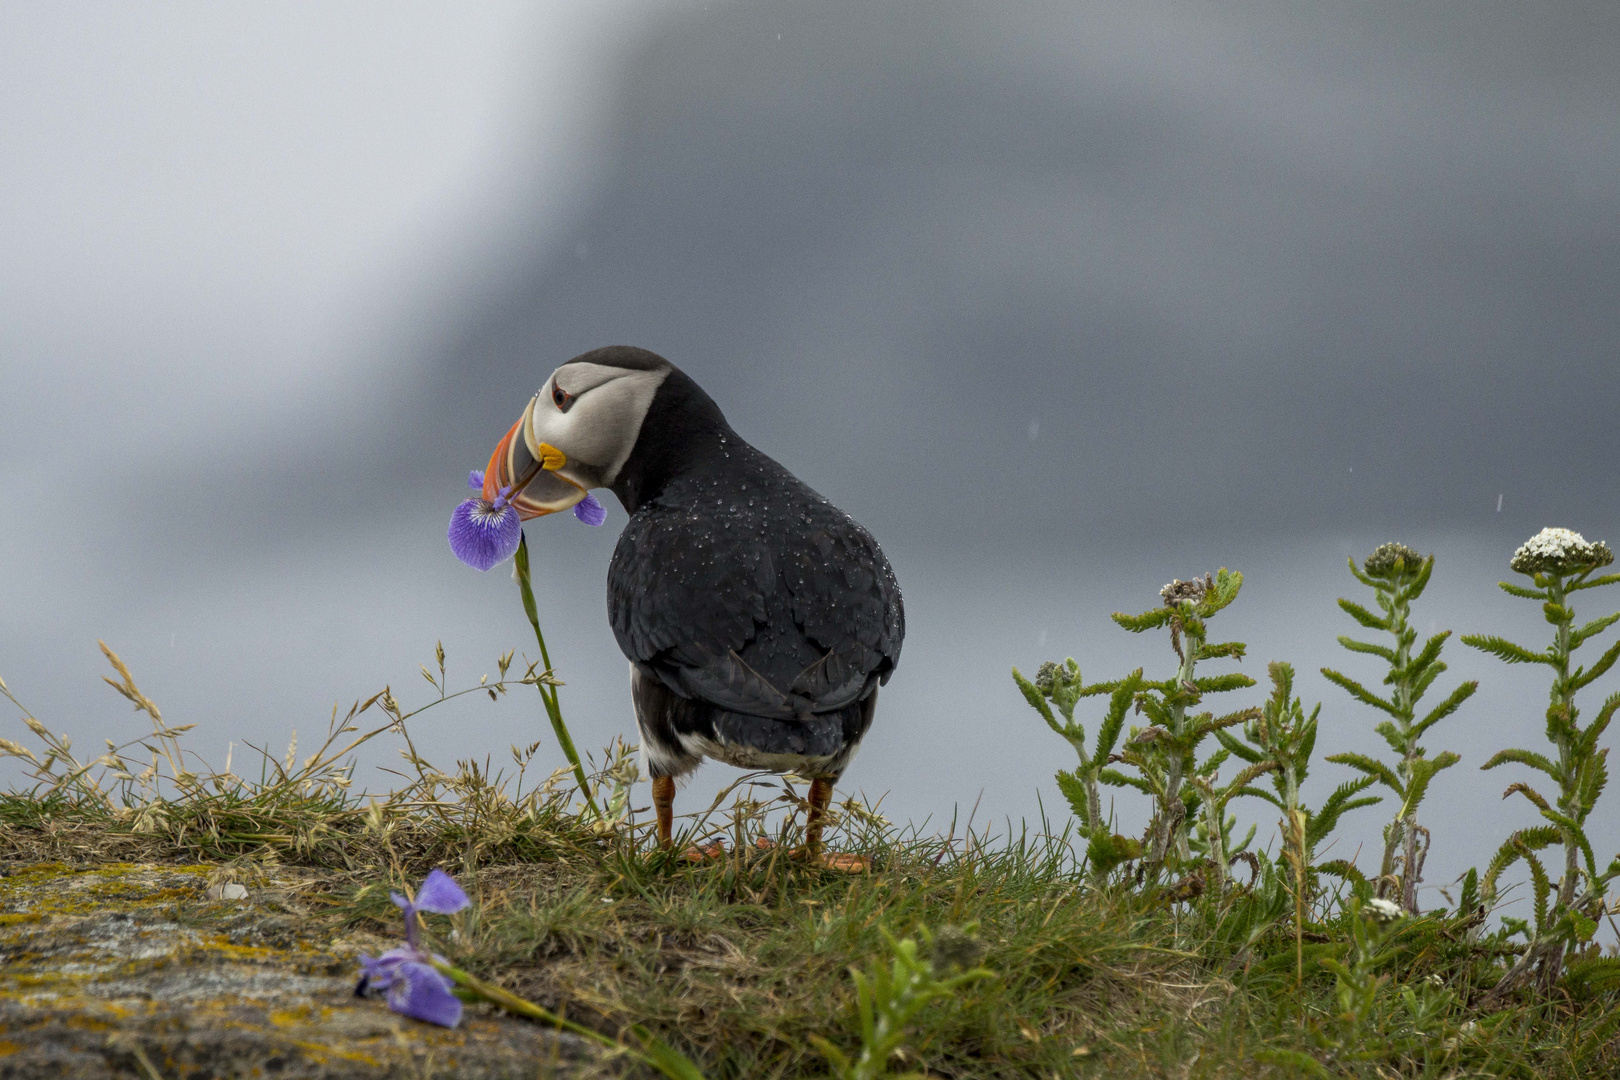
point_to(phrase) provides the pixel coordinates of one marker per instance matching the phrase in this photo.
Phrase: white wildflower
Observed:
(1383, 910)
(1560, 551)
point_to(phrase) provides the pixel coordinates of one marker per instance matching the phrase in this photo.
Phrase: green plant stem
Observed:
(1563, 699)
(657, 1054)
(553, 709)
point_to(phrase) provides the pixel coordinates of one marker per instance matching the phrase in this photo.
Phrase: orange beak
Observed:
(537, 488)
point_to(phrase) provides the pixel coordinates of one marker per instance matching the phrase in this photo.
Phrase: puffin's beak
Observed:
(538, 488)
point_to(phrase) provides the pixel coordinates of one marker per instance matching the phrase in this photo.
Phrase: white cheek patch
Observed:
(599, 431)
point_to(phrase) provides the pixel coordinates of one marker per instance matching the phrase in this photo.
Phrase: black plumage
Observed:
(759, 619)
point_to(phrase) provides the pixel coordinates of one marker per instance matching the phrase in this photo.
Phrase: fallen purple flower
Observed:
(407, 974)
(413, 987)
(439, 895)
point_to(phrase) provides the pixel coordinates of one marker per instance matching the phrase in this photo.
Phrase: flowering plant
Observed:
(487, 530)
(1559, 563)
(425, 986)
(408, 975)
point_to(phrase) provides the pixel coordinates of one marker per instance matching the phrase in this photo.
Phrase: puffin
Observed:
(758, 618)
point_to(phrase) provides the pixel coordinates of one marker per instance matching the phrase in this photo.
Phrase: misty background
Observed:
(1060, 300)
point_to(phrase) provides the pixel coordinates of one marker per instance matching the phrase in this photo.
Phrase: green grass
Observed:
(744, 962)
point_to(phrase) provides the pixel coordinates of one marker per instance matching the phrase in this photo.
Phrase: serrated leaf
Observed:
(1373, 768)
(1219, 684)
(1360, 693)
(1363, 616)
(1423, 770)
(1381, 651)
(1036, 699)
(1528, 792)
(1118, 705)
(1452, 703)
(1230, 741)
(1522, 757)
(1596, 626)
(1605, 662)
(1148, 620)
(1505, 650)
(1592, 583)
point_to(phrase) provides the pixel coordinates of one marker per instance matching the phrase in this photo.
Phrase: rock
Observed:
(119, 970)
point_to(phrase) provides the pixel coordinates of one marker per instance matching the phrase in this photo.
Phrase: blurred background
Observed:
(1060, 300)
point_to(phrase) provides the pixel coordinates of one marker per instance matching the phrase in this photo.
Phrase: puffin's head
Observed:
(577, 432)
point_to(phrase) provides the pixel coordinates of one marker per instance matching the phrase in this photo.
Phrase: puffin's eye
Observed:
(560, 397)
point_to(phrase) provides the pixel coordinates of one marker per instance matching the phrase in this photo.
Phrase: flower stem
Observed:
(553, 710)
(656, 1053)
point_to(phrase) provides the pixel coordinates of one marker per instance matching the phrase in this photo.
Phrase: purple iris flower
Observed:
(485, 533)
(590, 511)
(407, 975)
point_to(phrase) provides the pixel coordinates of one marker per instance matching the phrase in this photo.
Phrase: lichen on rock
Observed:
(107, 970)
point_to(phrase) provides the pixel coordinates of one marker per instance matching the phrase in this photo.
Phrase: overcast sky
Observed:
(1060, 300)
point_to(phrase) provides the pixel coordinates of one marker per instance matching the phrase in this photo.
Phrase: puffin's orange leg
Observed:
(663, 793)
(664, 803)
(820, 795)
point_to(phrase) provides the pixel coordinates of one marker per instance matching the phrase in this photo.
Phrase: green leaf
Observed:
(1373, 768)
(1217, 684)
(1430, 652)
(1341, 802)
(1596, 626)
(1360, 693)
(1421, 581)
(1262, 793)
(1600, 722)
(1592, 583)
(1519, 590)
(1148, 620)
(1232, 649)
(1514, 848)
(1523, 757)
(1118, 705)
(1106, 852)
(1423, 770)
(1540, 884)
(1528, 792)
(1206, 723)
(1445, 708)
(1074, 791)
(1605, 662)
(1363, 616)
(1115, 778)
(1227, 584)
(1232, 744)
(1036, 699)
(1344, 870)
(1573, 833)
(1355, 646)
(1505, 650)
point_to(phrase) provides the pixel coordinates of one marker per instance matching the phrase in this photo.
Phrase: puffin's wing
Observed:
(682, 609)
(776, 625)
(847, 604)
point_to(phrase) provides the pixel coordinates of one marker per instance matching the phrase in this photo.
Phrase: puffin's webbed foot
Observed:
(663, 792)
(842, 861)
(812, 851)
(706, 853)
